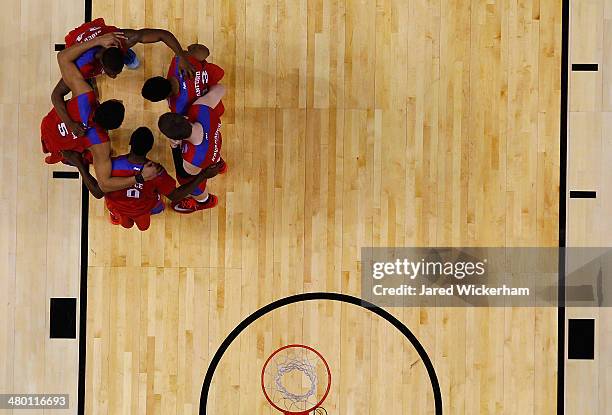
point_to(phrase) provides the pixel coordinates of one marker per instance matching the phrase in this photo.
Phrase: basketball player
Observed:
(97, 60)
(137, 203)
(180, 91)
(96, 119)
(196, 144)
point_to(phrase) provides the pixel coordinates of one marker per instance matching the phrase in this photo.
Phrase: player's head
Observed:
(174, 126)
(141, 141)
(112, 61)
(109, 114)
(156, 89)
(199, 51)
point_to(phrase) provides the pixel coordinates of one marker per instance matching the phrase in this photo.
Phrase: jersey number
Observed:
(63, 130)
(133, 193)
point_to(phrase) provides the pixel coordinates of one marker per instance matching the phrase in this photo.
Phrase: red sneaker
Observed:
(190, 205)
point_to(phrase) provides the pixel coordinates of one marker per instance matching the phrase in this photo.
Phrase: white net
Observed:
(307, 369)
(295, 379)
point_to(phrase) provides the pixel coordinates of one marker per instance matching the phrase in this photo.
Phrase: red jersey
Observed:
(87, 63)
(206, 75)
(139, 199)
(56, 136)
(209, 150)
(88, 31)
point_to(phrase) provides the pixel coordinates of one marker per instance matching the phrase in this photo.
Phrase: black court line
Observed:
(59, 46)
(583, 194)
(62, 317)
(83, 298)
(65, 174)
(585, 67)
(83, 288)
(88, 7)
(433, 378)
(562, 208)
(581, 339)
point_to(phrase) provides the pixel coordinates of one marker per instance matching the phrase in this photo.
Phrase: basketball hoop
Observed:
(296, 380)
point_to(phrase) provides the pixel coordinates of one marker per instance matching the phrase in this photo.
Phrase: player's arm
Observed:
(160, 35)
(57, 98)
(70, 73)
(186, 189)
(198, 51)
(213, 97)
(88, 180)
(183, 168)
(177, 157)
(103, 167)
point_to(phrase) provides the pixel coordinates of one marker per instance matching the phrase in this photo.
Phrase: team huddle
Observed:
(76, 132)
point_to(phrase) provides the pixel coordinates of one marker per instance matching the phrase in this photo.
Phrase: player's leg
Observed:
(205, 199)
(200, 199)
(115, 217)
(143, 221)
(55, 156)
(201, 193)
(127, 222)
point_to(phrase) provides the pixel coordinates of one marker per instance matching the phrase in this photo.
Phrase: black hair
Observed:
(109, 114)
(112, 60)
(141, 141)
(156, 89)
(174, 126)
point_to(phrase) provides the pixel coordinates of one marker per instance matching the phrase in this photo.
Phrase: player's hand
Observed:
(212, 170)
(110, 40)
(175, 143)
(73, 157)
(77, 128)
(186, 67)
(151, 170)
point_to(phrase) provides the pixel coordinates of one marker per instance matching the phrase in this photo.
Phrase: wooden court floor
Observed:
(348, 124)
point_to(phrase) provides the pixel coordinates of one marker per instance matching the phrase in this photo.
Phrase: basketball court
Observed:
(348, 124)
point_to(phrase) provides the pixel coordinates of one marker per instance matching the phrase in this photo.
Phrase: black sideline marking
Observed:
(88, 10)
(583, 194)
(83, 298)
(83, 282)
(585, 67)
(62, 318)
(65, 174)
(59, 47)
(562, 207)
(581, 338)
